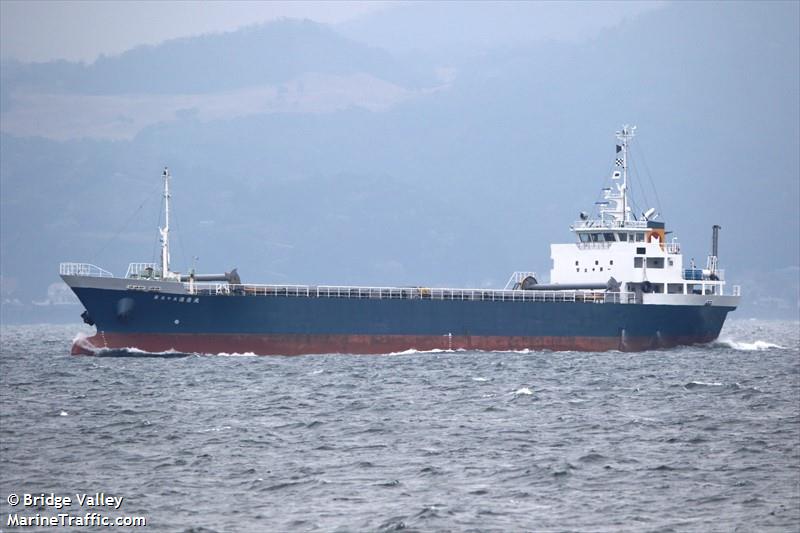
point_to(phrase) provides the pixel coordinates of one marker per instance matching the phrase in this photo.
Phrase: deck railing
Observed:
(408, 293)
(593, 245)
(143, 270)
(83, 269)
(610, 224)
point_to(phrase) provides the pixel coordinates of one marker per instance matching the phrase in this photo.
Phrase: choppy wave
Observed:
(477, 439)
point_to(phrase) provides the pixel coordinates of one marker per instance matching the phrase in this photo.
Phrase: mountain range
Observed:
(304, 153)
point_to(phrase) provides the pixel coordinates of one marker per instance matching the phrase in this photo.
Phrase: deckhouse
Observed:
(635, 254)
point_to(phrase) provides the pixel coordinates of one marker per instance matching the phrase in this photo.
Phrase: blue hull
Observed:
(296, 325)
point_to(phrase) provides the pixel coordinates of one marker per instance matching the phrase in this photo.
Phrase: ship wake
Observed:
(756, 346)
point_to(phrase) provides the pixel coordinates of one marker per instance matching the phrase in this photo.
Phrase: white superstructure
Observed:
(635, 251)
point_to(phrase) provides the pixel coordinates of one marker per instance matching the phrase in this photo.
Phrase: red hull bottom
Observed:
(361, 344)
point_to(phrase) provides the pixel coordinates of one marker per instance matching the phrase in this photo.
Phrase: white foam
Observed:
(523, 390)
(63, 413)
(748, 346)
(479, 379)
(80, 337)
(707, 383)
(414, 351)
(171, 351)
(132, 350)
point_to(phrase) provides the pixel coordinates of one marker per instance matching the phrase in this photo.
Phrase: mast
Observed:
(165, 230)
(624, 136)
(713, 259)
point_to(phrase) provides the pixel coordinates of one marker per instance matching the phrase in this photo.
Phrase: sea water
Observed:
(703, 438)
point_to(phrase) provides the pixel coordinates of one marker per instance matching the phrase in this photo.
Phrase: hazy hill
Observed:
(268, 53)
(459, 182)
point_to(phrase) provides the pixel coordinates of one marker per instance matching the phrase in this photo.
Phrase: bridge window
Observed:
(593, 237)
(655, 262)
(583, 237)
(674, 288)
(609, 237)
(640, 251)
(639, 237)
(622, 236)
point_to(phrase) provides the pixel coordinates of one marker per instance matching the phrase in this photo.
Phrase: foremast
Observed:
(164, 232)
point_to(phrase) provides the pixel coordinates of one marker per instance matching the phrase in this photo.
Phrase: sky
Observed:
(81, 31)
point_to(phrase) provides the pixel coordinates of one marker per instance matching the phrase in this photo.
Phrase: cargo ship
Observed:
(620, 285)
